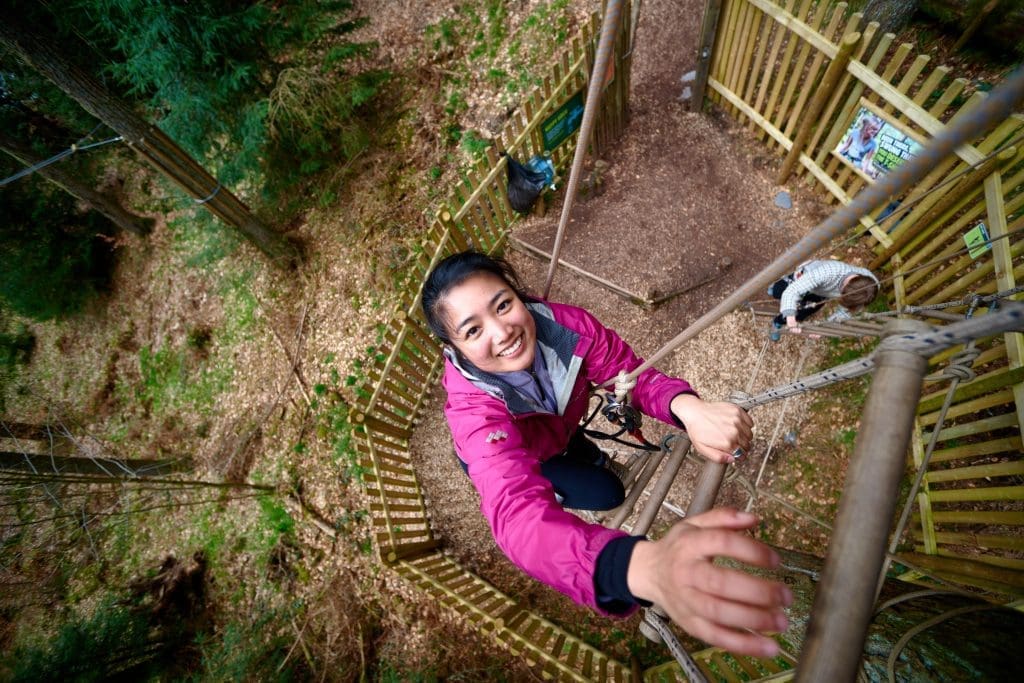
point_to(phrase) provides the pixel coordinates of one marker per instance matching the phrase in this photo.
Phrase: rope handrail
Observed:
(999, 105)
(1009, 318)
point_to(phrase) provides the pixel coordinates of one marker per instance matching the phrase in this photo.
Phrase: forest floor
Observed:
(203, 352)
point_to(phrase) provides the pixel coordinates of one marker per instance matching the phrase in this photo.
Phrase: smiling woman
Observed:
(518, 374)
(497, 333)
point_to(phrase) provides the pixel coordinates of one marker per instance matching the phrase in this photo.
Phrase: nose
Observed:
(501, 332)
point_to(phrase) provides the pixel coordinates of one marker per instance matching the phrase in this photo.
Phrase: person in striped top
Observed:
(802, 293)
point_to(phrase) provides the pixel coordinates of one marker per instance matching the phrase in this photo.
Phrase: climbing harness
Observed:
(625, 416)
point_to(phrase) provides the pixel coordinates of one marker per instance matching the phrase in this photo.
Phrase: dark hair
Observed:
(859, 291)
(451, 272)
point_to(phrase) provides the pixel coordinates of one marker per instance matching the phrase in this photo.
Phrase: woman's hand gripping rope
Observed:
(720, 431)
(721, 606)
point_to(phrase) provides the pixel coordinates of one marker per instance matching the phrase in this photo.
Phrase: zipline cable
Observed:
(998, 106)
(75, 147)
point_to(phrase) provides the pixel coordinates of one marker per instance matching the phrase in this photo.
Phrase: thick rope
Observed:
(1009, 318)
(958, 303)
(997, 107)
(595, 87)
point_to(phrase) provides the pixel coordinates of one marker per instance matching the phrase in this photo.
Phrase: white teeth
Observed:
(512, 349)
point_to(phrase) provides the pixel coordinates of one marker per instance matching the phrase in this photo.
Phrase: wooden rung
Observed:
(428, 562)
(977, 427)
(397, 507)
(392, 494)
(1012, 518)
(977, 493)
(386, 481)
(1009, 444)
(409, 550)
(999, 398)
(983, 384)
(966, 566)
(1002, 469)
(983, 541)
(749, 667)
(723, 668)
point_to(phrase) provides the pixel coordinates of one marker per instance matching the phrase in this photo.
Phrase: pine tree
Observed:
(151, 143)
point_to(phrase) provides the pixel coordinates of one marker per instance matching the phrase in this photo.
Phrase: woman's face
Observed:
(490, 325)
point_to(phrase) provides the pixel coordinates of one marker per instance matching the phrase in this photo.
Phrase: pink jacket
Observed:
(504, 450)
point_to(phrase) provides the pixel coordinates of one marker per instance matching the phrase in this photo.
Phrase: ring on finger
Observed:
(737, 453)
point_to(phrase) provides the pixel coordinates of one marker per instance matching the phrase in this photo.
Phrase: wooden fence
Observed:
(768, 70)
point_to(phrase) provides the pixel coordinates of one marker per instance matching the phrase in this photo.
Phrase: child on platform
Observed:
(802, 293)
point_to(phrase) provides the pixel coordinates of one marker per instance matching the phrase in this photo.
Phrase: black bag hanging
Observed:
(524, 185)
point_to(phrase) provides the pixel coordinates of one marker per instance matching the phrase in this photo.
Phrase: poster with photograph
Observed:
(874, 144)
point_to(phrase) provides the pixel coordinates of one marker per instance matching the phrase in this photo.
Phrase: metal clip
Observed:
(621, 414)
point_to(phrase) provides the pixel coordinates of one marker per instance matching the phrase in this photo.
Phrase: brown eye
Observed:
(504, 305)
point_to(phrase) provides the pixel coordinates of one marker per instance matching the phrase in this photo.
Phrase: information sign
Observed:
(556, 128)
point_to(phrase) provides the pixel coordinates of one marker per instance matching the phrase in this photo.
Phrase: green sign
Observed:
(563, 123)
(977, 240)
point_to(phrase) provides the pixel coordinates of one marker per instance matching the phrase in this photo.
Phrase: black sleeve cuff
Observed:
(610, 585)
(674, 418)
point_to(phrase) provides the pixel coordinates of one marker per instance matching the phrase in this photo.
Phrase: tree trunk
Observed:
(104, 203)
(891, 15)
(148, 140)
(105, 467)
(999, 27)
(978, 641)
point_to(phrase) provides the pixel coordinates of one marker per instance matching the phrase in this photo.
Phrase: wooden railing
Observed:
(768, 70)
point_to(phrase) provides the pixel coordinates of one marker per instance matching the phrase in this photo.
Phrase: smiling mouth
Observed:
(512, 349)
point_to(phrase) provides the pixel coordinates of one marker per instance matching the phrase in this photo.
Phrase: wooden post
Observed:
(821, 95)
(843, 604)
(148, 140)
(705, 491)
(660, 490)
(975, 24)
(708, 28)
